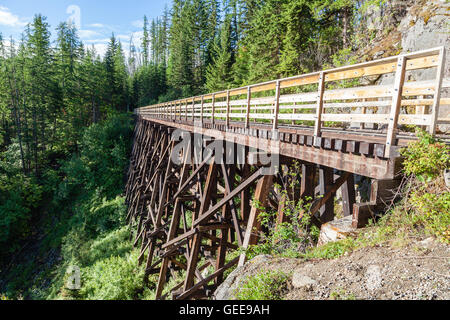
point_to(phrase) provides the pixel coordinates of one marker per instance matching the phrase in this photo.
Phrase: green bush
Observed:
(266, 285)
(426, 197)
(425, 158)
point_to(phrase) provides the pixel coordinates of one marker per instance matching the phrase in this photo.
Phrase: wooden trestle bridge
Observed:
(193, 205)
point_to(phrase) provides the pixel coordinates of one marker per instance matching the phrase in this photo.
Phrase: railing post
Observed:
(172, 112)
(293, 113)
(228, 110)
(396, 104)
(213, 108)
(319, 111)
(437, 92)
(249, 97)
(201, 110)
(362, 125)
(277, 106)
(193, 110)
(186, 111)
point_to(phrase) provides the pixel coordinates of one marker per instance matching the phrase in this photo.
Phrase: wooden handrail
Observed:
(292, 107)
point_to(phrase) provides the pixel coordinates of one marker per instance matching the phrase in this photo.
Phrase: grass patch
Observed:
(341, 294)
(264, 286)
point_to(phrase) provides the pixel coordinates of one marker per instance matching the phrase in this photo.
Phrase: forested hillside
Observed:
(66, 123)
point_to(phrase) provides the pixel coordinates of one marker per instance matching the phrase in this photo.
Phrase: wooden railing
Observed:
(328, 98)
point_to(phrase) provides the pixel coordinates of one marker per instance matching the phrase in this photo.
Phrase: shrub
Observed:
(425, 158)
(426, 197)
(266, 285)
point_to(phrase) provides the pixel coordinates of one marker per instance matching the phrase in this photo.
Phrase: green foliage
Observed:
(266, 285)
(427, 200)
(19, 196)
(84, 205)
(113, 278)
(219, 74)
(426, 158)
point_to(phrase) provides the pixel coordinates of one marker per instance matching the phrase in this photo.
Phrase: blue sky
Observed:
(96, 19)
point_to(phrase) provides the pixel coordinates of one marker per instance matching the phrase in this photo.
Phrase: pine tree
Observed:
(39, 69)
(301, 32)
(145, 42)
(219, 75)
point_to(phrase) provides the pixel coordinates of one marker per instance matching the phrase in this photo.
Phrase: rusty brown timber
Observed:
(189, 216)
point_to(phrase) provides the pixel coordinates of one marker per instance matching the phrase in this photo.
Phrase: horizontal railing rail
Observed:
(329, 98)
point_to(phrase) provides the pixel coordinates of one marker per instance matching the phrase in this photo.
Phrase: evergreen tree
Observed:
(145, 42)
(219, 75)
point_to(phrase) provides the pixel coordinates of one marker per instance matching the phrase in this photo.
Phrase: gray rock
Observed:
(447, 177)
(373, 276)
(300, 280)
(227, 290)
(426, 243)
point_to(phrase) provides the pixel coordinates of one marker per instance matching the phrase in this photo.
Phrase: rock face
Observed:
(427, 27)
(227, 290)
(422, 24)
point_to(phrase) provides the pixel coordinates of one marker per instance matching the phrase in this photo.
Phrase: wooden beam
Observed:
(247, 183)
(227, 123)
(348, 195)
(247, 117)
(396, 104)
(261, 195)
(319, 109)
(437, 91)
(326, 178)
(277, 106)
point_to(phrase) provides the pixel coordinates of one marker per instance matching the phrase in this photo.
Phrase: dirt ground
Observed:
(413, 272)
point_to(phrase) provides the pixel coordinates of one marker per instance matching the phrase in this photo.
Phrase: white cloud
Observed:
(91, 41)
(96, 25)
(100, 48)
(124, 38)
(138, 24)
(137, 37)
(88, 34)
(9, 19)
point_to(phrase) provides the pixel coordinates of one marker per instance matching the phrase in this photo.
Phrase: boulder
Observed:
(336, 230)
